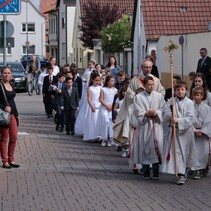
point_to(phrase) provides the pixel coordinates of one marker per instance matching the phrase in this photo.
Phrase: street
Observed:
(60, 172)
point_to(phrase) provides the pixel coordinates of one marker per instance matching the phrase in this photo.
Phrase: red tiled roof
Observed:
(165, 17)
(124, 5)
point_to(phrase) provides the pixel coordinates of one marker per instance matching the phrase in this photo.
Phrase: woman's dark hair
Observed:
(108, 78)
(123, 89)
(52, 58)
(200, 75)
(5, 67)
(109, 63)
(92, 78)
(148, 78)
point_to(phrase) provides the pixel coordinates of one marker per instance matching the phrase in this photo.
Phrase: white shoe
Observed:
(113, 143)
(197, 175)
(103, 144)
(124, 154)
(109, 144)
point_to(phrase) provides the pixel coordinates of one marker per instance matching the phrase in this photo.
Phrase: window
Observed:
(31, 49)
(63, 50)
(30, 27)
(8, 51)
(52, 26)
(63, 20)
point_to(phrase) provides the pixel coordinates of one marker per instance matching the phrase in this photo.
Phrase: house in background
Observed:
(156, 22)
(82, 55)
(61, 23)
(29, 32)
(47, 6)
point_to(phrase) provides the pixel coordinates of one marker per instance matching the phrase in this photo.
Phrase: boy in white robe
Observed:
(148, 108)
(183, 120)
(135, 83)
(202, 131)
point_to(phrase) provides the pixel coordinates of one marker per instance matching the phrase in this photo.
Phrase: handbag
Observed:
(4, 115)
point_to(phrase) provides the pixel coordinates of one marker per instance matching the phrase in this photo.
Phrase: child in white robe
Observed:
(202, 131)
(148, 108)
(183, 120)
(93, 95)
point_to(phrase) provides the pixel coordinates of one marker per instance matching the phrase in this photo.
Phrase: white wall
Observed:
(37, 38)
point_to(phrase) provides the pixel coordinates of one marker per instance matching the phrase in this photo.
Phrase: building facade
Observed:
(29, 33)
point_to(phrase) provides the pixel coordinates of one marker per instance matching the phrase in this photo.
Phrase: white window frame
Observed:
(27, 27)
(8, 51)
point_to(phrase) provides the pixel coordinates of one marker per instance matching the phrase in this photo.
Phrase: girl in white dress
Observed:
(105, 124)
(119, 100)
(93, 95)
(83, 104)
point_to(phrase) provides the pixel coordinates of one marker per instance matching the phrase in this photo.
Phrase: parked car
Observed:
(43, 60)
(18, 74)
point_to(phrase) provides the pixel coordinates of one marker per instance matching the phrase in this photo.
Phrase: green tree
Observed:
(95, 17)
(115, 37)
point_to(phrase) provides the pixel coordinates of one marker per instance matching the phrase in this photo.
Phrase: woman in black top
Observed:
(11, 132)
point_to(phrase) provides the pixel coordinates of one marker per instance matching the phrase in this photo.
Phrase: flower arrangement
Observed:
(171, 46)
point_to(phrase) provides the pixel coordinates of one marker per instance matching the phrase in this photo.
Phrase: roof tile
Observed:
(175, 17)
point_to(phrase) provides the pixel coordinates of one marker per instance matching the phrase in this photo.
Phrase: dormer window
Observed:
(183, 9)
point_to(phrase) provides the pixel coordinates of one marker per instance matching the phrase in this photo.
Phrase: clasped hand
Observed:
(151, 113)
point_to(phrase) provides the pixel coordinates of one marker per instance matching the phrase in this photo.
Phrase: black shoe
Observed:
(155, 170)
(6, 166)
(14, 165)
(48, 116)
(119, 149)
(51, 116)
(146, 171)
(57, 128)
(61, 129)
(155, 175)
(73, 133)
(67, 133)
(147, 175)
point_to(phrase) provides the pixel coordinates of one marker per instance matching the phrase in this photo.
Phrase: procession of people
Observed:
(106, 105)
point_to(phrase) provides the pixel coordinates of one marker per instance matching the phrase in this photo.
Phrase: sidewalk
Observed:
(60, 172)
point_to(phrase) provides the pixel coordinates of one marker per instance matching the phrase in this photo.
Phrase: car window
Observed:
(16, 67)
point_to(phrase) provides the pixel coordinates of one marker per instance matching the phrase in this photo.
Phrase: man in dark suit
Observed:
(204, 66)
(59, 102)
(47, 91)
(70, 95)
(78, 80)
